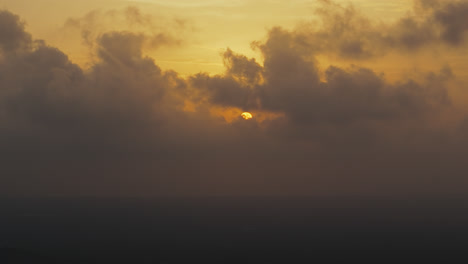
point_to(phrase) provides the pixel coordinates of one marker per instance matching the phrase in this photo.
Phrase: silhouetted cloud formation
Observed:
(152, 31)
(343, 31)
(126, 126)
(12, 34)
(289, 82)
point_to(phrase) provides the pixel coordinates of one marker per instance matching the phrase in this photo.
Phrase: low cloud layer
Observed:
(125, 126)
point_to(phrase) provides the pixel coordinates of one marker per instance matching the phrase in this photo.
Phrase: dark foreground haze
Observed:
(231, 230)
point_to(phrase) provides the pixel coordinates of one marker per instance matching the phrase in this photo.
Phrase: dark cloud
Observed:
(221, 90)
(452, 18)
(244, 69)
(123, 126)
(154, 31)
(52, 102)
(344, 32)
(12, 34)
(235, 88)
(289, 82)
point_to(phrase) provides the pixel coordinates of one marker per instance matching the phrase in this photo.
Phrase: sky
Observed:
(145, 97)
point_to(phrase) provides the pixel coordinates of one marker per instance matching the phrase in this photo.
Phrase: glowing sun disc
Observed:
(247, 115)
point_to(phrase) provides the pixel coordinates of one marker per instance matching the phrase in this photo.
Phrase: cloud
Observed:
(344, 32)
(51, 101)
(12, 34)
(125, 126)
(155, 31)
(289, 82)
(452, 19)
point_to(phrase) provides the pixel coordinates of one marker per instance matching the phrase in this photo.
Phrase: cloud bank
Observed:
(126, 127)
(344, 32)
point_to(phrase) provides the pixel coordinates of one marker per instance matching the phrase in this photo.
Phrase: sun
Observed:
(247, 115)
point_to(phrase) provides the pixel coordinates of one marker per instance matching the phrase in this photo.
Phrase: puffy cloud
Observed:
(49, 101)
(344, 32)
(12, 34)
(240, 67)
(154, 32)
(289, 82)
(452, 18)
